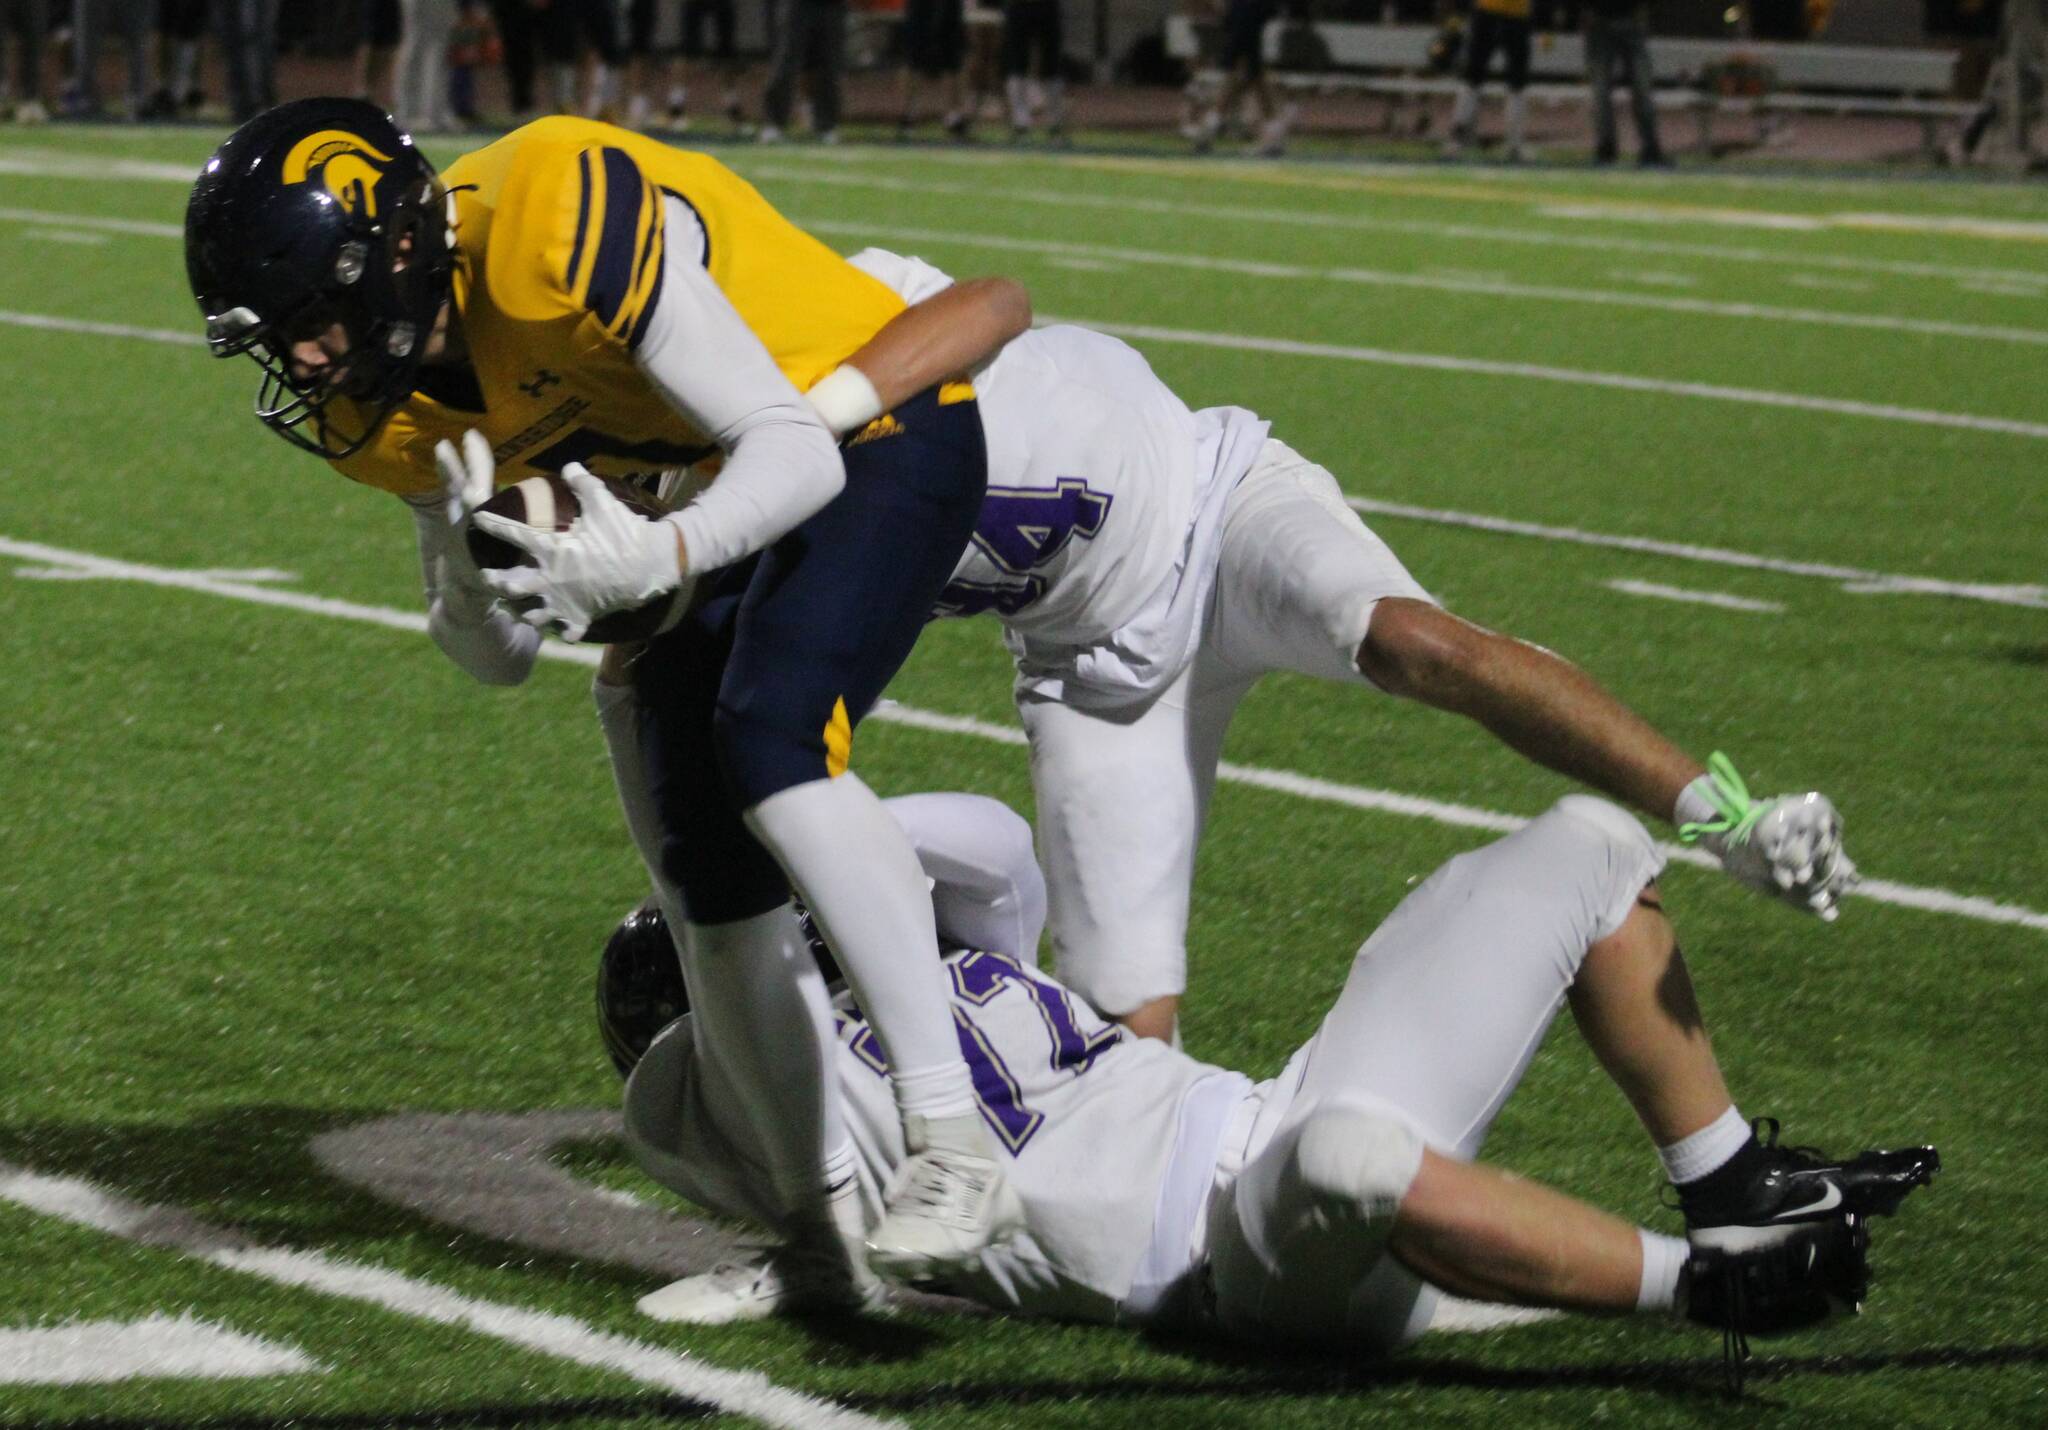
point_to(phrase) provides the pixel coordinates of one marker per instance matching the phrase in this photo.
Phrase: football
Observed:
(547, 501)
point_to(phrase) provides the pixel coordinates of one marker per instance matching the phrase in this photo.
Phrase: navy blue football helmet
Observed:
(640, 987)
(317, 213)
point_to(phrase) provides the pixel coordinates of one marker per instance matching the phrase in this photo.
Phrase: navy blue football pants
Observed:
(760, 687)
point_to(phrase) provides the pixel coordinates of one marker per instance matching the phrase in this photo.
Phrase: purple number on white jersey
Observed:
(978, 978)
(1020, 530)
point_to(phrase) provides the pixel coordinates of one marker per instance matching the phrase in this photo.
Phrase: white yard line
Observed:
(1378, 278)
(1851, 578)
(1279, 781)
(564, 1337)
(154, 1347)
(1622, 381)
(1719, 599)
(834, 170)
(1432, 362)
(1368, 223)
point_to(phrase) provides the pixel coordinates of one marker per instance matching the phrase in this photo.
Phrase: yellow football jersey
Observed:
(1506, 9)
(560, 234)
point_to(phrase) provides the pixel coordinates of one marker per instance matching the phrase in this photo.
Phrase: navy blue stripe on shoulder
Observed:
(582, 219)
(614, 261)
(647, 304)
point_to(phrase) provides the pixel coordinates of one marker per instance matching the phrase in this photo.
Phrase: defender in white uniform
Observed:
(1150, 564)
(1328, 1204)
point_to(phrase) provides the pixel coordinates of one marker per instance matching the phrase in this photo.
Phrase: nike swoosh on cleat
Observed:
(1828, 1201)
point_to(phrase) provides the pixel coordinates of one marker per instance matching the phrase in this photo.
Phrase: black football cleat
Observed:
(1796, 1186)
(1817, 1268)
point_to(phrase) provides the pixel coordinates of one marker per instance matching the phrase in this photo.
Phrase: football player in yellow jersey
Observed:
(578, 299)
(1496, 25)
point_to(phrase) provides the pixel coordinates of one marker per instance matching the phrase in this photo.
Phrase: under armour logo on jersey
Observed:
(542, 381)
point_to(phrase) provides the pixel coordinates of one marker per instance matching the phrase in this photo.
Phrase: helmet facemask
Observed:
(385, 293)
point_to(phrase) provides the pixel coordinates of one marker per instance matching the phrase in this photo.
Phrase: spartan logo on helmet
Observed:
(315, 215)
(349, 165)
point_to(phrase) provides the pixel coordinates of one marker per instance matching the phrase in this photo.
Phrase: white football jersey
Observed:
(1098, 538)
(1089, 1117)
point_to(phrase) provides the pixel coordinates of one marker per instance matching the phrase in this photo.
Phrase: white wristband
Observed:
(1695, 804)
(845, 400)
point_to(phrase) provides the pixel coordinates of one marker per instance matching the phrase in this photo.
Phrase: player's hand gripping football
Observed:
(468, 478)
(611, 557)
(1789, 847)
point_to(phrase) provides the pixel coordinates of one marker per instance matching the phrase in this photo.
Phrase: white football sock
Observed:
(1707, 1150)
(1020, 102)
(1518, 120)
(858, 874)
(763, 1013)
(760, 1011)
(1664, 1259)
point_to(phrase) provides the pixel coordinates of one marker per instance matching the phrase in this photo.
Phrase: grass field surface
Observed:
(1765, 454)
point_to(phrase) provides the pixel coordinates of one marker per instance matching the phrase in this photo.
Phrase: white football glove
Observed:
(1789, 847)
(468, 478)
(609, 559)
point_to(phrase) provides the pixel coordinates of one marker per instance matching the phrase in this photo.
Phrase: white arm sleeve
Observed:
(987, 891)
(912, 279)
(487, 642)
(697, 350)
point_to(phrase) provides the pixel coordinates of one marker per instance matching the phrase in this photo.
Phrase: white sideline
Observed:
(737, 1392)
(1851, 578)
(1440, 283)
(1418, 228)
(156, 1346)
(1583, 377)
(1095, 256)
(1286, 782)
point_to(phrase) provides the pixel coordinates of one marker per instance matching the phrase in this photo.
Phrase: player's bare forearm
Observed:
(1537, 703)
(951, 332)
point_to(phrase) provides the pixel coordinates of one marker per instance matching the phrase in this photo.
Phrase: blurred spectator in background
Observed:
(810, 38)
(382, 28)
(934, 39)
(89, 18)
(420, 93)
(25, 27)
(982, 21)
(180, 27)
(515, 24)
(1033, 55)
(1617, 37)
(1501, 25)
(650, 58)
(473, 45)
(2013, 90)
(248, 43)
(1243, 61)
(721, 57)
(565, 26)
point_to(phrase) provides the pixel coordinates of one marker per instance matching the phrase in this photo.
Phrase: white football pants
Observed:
(1444, 1007)
(1122, 794)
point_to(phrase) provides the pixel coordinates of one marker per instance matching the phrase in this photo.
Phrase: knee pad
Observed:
(1357, 1160)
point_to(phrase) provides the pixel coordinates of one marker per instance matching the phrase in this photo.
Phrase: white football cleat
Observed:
(771, 1281)
(950, 1202)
